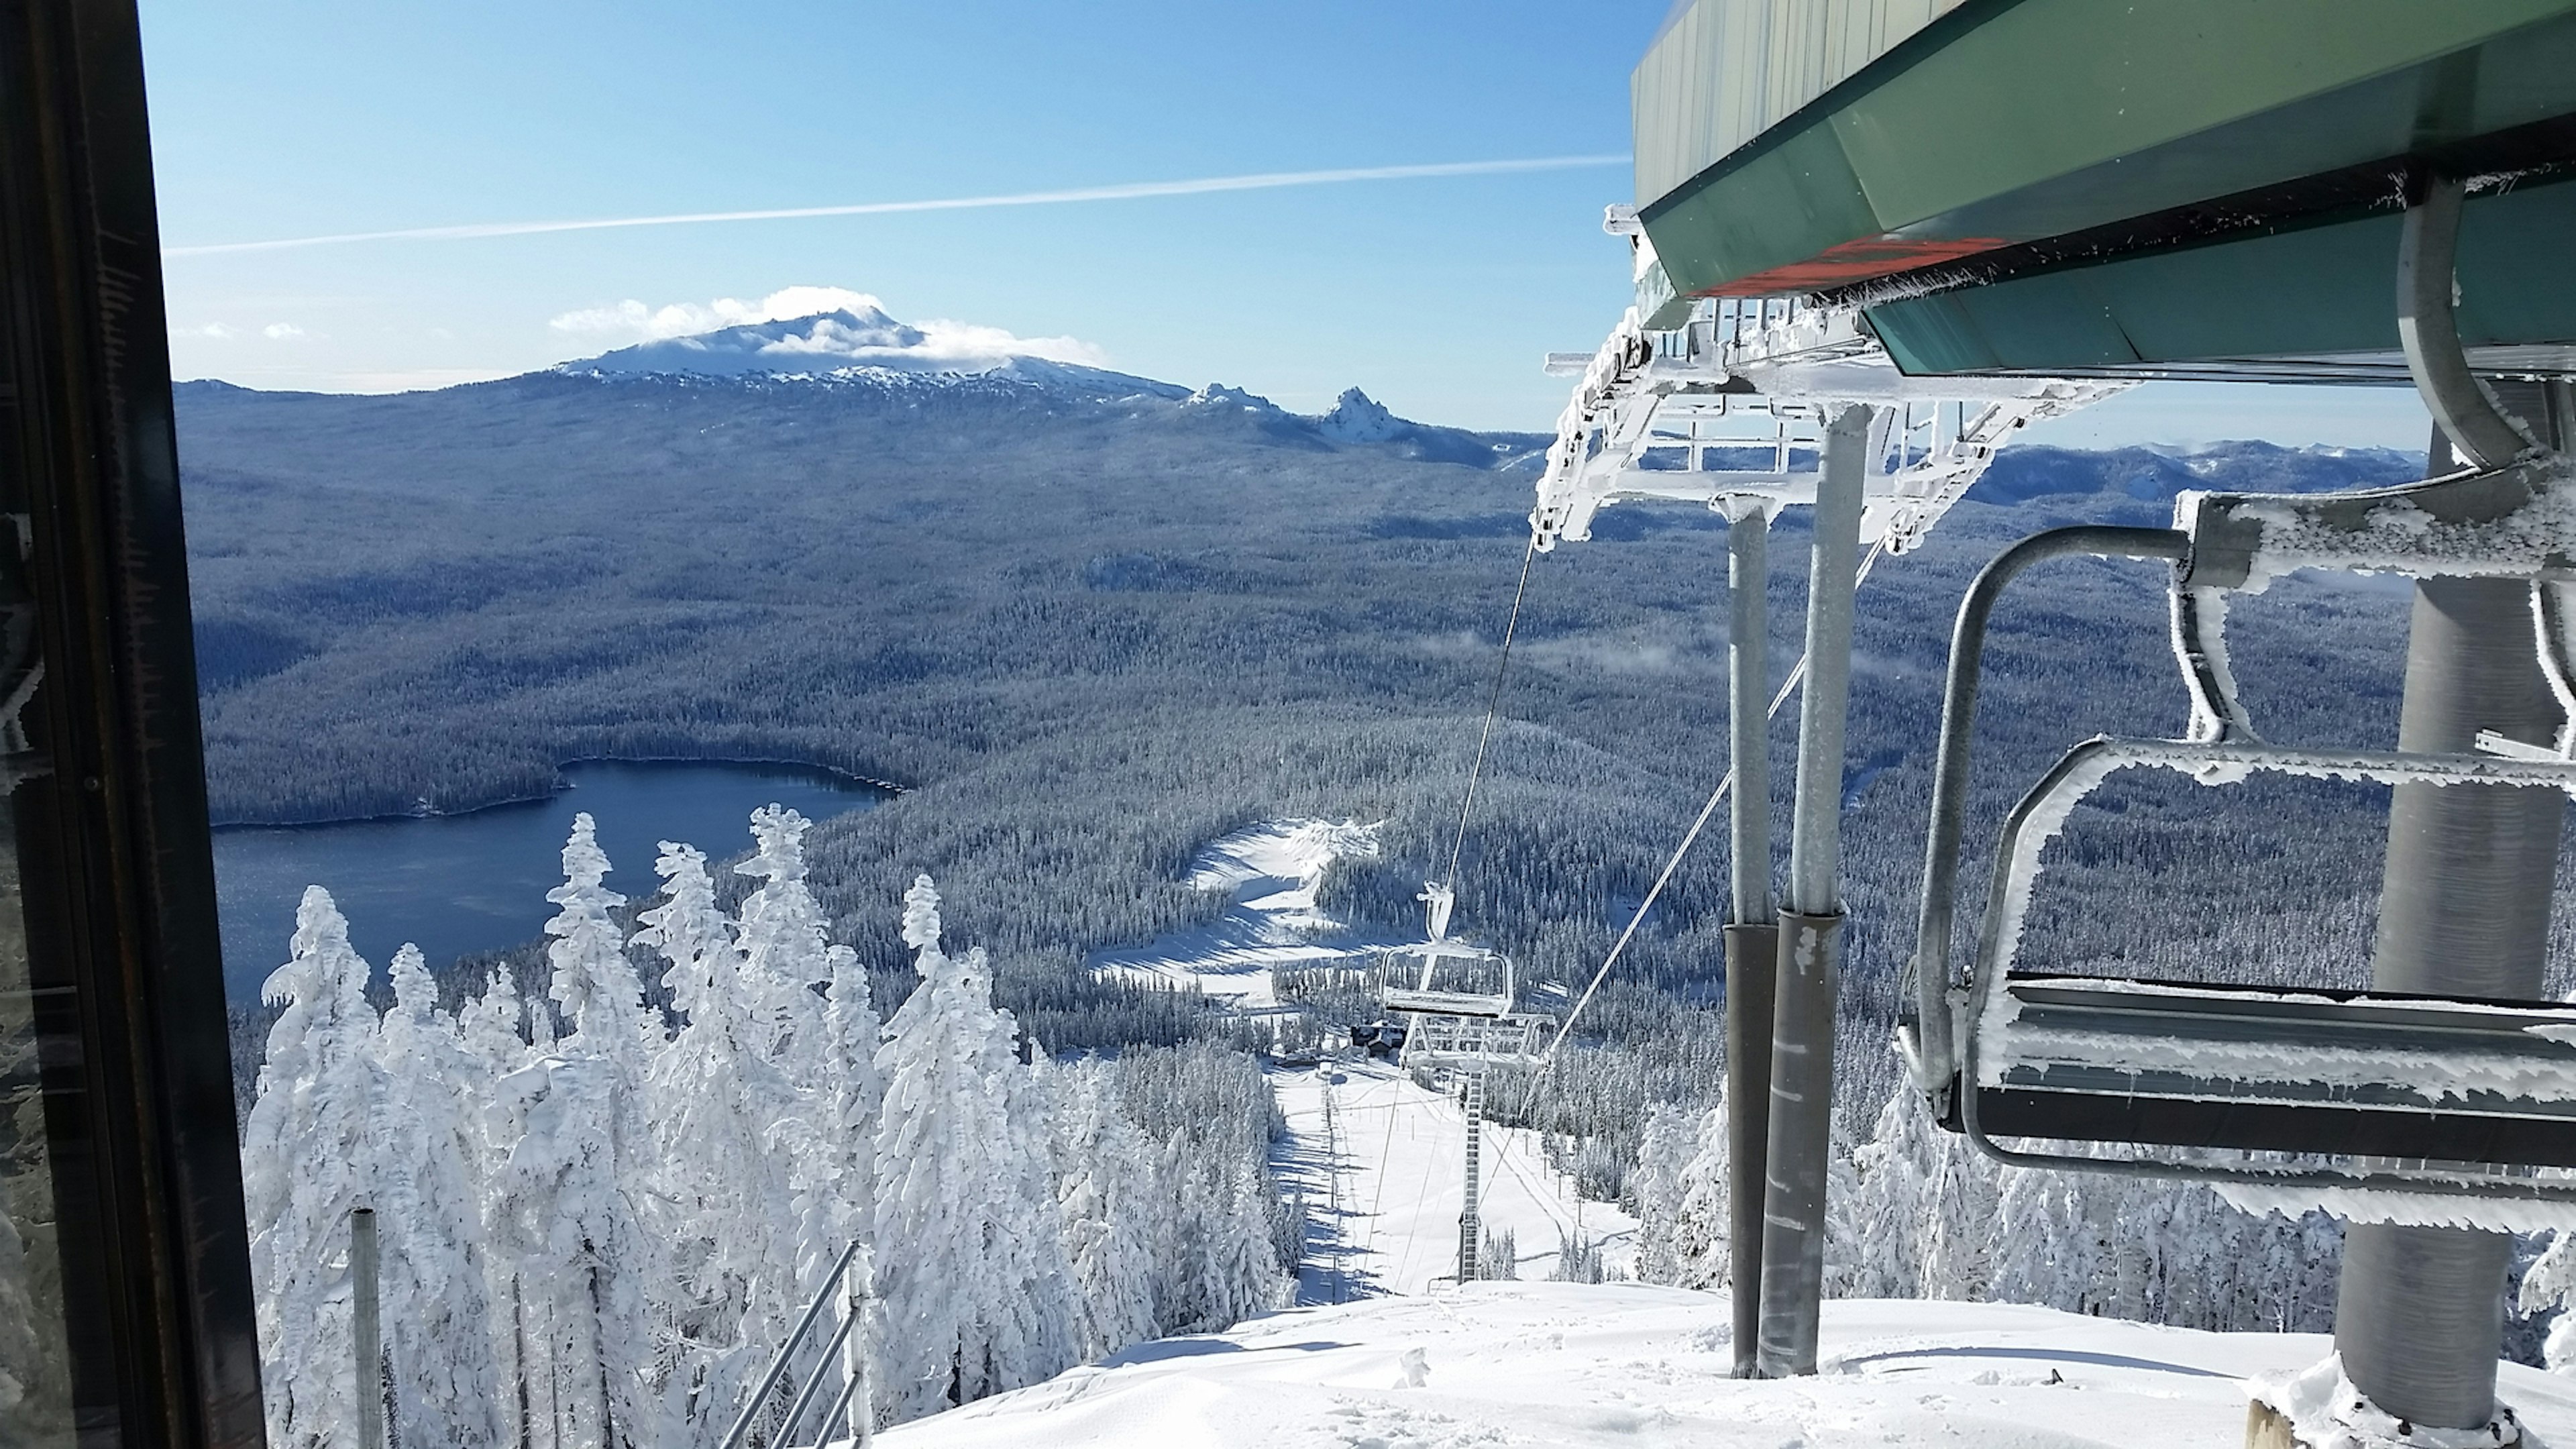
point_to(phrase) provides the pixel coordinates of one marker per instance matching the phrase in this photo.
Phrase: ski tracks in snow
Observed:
(1382, 1171)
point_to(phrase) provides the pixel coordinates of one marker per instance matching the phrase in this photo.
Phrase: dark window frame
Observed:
(119, 879)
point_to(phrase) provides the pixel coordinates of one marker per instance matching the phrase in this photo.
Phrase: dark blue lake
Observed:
(477, 882)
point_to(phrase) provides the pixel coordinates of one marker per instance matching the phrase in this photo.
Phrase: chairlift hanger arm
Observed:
(1778, 364)
(1928, 1044)
(2428, 331)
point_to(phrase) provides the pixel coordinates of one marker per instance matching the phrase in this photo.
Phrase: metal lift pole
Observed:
(1752, 935)
(2464, 911)
(1802, 1069)
(2464, 901)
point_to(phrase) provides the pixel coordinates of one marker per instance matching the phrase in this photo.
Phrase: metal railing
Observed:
(853, 1381)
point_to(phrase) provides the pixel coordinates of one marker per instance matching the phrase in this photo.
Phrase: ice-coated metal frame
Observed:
(1466, 1032)
(1925, 1035)
(1944, 1042)
(1428, 995)
(2194, 1013)
(1435, 1040)
(1730, 409)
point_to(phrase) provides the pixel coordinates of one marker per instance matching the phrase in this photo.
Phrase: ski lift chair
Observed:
(2377, 1090)
(1459, 1007)
(2407, 1095)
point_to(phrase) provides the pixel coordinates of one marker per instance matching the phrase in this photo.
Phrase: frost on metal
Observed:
(2289, 1071)
(2045, 814)
(2464, 1208)
(2544, 1070)
(1728, 411)
(2511, 522)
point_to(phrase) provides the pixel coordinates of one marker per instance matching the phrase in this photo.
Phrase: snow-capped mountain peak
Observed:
(1358, 418)
(857, 336)
(1217, 394)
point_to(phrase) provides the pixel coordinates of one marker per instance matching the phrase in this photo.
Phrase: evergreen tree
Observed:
(1700, 1227)
(966, 1236)
(1106, 1175)
(781, 932)
(835, 1154)
(580, 1149)
(429, 1159)
(1669, 1142)
(307, 1150)
(491, 1030)
(724, 1202)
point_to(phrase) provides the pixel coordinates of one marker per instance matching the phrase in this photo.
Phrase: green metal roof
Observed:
(2025, 139)
(2311, 301)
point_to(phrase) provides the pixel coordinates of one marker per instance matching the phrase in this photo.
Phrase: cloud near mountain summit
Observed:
(809, 328)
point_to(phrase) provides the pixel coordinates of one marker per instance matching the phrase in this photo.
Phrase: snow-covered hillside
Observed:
(1272, 871)
(1568, 1364)
(1381, 1163)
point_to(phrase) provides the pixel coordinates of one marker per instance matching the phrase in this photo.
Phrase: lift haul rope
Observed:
(1493, 702)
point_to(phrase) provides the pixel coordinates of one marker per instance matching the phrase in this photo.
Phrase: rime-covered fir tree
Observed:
(1700, 1235)
(725, 1203)
(966, 1236)
(781, 931)
(835, 1153)
(429, 1159)
(568, 1190)
(1670, 1140)
(307, 1156)
(1106, 1192)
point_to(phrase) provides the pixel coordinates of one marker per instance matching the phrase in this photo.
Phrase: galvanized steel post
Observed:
(1752, 940)
(2464, 911)
(1802, 1067)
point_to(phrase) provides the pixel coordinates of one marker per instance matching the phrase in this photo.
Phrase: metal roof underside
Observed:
(2193, 187)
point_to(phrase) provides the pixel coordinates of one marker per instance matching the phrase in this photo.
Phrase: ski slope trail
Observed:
(1499, 1364)
(1272, 871)
(1381, 1164)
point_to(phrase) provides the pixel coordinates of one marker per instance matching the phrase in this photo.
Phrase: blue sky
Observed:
(1438, 295)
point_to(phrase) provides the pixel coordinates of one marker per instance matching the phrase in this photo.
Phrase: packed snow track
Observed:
(1380, 1162)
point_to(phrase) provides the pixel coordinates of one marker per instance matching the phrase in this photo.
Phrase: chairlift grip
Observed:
(1926, 1037)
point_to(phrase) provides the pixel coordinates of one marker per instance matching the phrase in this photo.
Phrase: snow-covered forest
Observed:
(1090, 662)
(1917, 1213)
(600, 1217)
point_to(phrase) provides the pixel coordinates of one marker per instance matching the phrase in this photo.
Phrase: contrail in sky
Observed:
(1264, 181)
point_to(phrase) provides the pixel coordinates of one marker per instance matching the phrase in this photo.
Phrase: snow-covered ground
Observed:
(1383, 1171)
(1564, 1364)
(1379, 1160)
(1272, 870)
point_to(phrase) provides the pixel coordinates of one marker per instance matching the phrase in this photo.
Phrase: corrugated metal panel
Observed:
(1723, 71)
